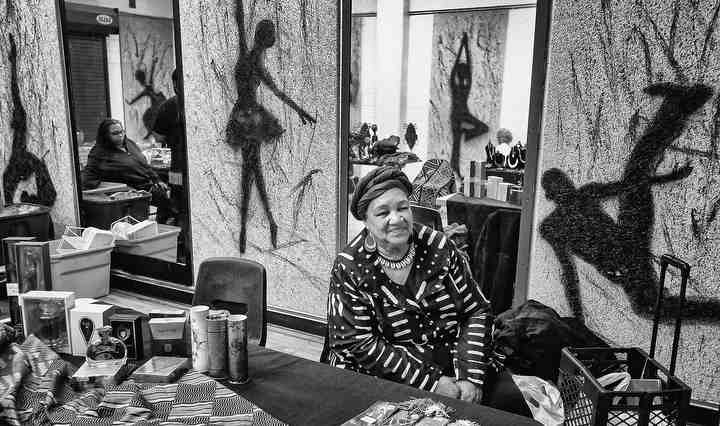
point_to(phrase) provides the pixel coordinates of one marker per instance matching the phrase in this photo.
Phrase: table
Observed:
(302, 392)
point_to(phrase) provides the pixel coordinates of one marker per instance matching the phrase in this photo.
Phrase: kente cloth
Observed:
(41, 399)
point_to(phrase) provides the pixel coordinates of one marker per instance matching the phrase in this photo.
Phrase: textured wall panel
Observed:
(146, 45)
(486, 34)
(299, 167)
(34, 26)
(629, 170)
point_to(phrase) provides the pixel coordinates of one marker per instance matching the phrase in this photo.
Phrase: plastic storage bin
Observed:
(86, 272)
(101, 210)
(162, 246)
(588, 403)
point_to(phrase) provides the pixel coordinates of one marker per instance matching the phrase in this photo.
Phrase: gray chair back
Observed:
(238, 285)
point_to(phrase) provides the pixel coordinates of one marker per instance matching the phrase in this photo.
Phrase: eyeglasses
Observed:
(117, 132)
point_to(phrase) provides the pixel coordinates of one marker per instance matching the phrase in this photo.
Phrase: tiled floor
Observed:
(281, 339)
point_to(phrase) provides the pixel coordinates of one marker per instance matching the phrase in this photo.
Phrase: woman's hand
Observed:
(446, 386)
(469, 392)
(305, 117)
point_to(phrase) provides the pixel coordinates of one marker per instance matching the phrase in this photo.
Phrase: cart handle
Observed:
(665, 260)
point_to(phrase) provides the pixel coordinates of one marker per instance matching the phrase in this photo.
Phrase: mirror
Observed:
(125, 88)
(442, 90)
(458, 94)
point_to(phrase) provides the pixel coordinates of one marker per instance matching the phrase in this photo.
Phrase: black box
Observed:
(128, 328)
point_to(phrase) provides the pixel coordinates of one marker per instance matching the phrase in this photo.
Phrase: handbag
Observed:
(436, 179)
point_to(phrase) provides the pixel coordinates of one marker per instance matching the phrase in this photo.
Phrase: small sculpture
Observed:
(411, 135)
(502, 151)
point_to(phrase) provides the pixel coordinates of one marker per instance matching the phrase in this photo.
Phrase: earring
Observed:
(370, 244)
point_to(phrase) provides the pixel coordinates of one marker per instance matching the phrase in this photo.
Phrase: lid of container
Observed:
(116, 197)
(22, 209)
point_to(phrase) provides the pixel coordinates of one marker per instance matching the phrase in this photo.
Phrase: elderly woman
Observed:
(403, 304)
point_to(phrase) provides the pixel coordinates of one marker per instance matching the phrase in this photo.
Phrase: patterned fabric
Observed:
(436, 179)
(437, 323)
(46, 398)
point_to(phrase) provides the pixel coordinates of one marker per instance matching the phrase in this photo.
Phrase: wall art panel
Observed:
(260, 102)
(147, 62)
(629, 171)
(35, 152)
(466, 84)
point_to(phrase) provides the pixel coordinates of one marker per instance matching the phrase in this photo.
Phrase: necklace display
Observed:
(401, 263)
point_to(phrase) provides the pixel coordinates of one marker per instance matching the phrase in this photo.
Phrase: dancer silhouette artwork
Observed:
(156, 98)
(462, 121)
(621, 250)
(250, 124)
(23, 164)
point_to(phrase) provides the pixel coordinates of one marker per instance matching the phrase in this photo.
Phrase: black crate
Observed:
(101, 210)
(587, 403)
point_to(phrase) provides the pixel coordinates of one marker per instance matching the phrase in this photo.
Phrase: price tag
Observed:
(175, 178)
(12, 289)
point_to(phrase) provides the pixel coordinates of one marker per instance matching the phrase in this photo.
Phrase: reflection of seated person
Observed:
(116, 158)
(403, 304)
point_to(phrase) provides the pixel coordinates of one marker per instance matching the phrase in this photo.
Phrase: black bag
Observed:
(532, 335)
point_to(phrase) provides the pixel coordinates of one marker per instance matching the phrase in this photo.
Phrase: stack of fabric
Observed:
(35, 388)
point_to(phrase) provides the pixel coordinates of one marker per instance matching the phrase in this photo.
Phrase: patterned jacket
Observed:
(438, 323)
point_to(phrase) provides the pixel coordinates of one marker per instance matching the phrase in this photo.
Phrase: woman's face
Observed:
(116, 135)
(389, 219)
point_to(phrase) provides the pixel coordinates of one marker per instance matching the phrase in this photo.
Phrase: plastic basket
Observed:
(86, 272)
(162, 246)
(587, 403)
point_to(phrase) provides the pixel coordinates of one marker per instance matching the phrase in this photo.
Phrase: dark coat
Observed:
(110, 164)
(495, 258)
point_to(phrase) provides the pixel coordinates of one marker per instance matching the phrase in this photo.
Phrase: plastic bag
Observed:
(543, 399)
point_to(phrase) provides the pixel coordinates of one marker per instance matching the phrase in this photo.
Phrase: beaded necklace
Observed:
(401, 263)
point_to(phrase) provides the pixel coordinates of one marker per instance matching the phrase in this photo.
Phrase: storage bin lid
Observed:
(14, 211)
(117, 197)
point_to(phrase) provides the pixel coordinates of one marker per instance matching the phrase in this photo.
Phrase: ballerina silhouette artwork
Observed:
(462, 121)
(621, 249)
(250, 124)
(156, 97)
(23, 164)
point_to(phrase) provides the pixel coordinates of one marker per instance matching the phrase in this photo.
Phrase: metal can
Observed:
(237, 349)
(217, 343)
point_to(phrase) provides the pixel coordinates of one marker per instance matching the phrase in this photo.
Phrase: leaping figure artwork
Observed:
(250, 124)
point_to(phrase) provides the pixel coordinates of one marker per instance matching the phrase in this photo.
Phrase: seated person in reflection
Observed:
(115, 158)
(403, 304)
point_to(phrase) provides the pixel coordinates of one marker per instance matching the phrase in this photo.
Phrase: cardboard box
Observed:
(168, 336)
(84, 319)
(46, 314)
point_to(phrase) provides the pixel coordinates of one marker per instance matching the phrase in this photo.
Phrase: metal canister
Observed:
(217, 343)
(237, 348)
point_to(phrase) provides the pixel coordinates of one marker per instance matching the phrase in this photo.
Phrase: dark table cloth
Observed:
(302, 392)
(472, 212)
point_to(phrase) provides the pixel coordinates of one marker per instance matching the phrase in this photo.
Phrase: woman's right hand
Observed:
(446, 386)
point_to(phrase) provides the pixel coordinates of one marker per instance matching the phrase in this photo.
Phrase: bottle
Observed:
(105, 349)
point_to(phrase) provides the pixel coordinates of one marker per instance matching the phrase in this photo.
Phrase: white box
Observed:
(84, 319)
(46, 314)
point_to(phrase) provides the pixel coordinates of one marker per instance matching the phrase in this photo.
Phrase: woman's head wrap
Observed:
(374, 184)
